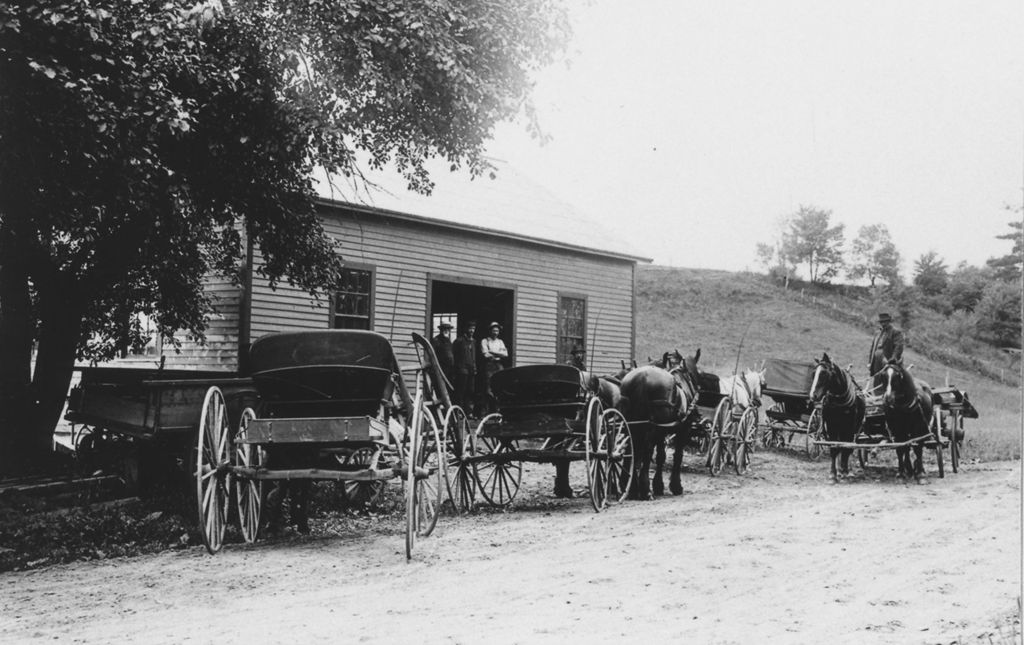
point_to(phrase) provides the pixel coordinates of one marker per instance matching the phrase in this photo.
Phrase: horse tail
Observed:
(623, 404)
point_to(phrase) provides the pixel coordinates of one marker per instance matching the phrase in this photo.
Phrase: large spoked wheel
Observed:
(716, 456)
(815, 432)
(746, 432)
(424, 480)
(248, 492)
(936, 429)
(213, 486)
(362, 493)
(956, 434)
(618, 444)
(497, 476)
(459, 477)
(596, 455)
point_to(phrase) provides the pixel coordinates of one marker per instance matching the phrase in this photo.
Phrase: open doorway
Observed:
(457, 303)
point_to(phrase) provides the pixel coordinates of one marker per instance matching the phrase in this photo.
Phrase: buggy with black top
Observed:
(791, 416)
(549, 414)
(333, 405)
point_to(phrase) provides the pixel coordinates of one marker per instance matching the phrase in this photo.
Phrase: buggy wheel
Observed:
(718, 423)
(596, 444)
(745, 437)
(936, 428)
(815, 426)
(620, 454)
(459, 478)
(424, 481)
(363, 493)
(955, 437)
(213, 486)
(497, 477)
(715, 457)
(248, 492)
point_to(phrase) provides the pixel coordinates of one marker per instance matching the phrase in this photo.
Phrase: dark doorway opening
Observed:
(458, 303)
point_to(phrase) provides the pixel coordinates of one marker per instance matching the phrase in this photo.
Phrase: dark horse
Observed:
(607, 390)
(842, 410)
(657, 402)
(908, 412)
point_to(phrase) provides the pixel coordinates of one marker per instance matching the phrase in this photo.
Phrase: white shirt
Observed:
(493, 348)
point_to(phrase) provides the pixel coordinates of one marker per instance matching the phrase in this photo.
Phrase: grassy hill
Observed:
(714, 310)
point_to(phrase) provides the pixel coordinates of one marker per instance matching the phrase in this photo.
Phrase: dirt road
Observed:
(779, 556)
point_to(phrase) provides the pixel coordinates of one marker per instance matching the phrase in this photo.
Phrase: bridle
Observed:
(830, 398)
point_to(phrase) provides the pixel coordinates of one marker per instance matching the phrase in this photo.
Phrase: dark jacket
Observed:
(890, 343)
(465, 355)
(445, 354)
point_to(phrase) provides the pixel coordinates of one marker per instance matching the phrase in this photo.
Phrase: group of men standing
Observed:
(459, 359)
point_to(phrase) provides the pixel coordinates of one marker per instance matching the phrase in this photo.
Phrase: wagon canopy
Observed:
(788, 378)
(556, 389)
(328, 372)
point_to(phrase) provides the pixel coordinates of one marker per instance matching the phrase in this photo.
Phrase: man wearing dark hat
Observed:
(465, 366)
(443, 348)
(887, 345)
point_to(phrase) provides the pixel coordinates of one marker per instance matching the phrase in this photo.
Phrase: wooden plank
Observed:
(316, 430)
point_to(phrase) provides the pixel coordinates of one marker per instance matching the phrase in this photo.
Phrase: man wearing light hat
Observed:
(495, 354)
(887, 345)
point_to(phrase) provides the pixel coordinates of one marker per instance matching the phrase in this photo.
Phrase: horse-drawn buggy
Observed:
(546, 414)
(318, 405)
(734, 424)
(792, 414)
(895, 412)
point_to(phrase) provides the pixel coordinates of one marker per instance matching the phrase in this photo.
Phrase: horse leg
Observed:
(299, 492)
(844, 461)
(833, 453)
(562, 488)
(657, 484)
(674, 483)
(918, 462)
(642, 476)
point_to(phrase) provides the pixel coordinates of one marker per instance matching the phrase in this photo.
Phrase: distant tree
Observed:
(874, 256)
(1008, 267)
(809, 239)
(931, 275)
(965, 287)
(999, 313)
(771, 258)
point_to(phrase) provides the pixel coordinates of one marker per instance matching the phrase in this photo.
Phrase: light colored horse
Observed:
(745, 389)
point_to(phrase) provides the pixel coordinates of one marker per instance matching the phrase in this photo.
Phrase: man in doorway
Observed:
(495, 354)
(443, 348)
(465, 366)
(887, 344)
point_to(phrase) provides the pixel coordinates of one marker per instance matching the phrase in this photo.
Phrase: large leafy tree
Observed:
(136, 139)
(812, 240)
(874, 256)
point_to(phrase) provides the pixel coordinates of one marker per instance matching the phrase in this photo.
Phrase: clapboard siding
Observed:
(406, 255)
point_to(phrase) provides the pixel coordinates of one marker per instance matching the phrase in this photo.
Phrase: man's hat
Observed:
(444, 325)
(884, 318)
(493, 325)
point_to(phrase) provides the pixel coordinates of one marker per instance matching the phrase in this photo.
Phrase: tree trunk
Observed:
(60, 324)
(16, 326)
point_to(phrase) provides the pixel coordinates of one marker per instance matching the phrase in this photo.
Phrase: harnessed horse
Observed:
(908, 412)
(607, 390)
(745, 389)
(842, 410)
(656, 402)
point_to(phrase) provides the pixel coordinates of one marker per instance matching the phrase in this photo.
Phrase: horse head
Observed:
(824, 377)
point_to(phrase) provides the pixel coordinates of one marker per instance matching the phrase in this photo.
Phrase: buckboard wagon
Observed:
(952, 406)
(547, 414)
(319, 405)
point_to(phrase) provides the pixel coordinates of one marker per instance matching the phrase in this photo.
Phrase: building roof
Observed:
(511, 205)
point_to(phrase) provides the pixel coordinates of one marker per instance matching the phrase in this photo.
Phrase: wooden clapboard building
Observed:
(502, 250)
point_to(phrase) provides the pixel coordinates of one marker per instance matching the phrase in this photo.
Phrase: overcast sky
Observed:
(693, 127)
